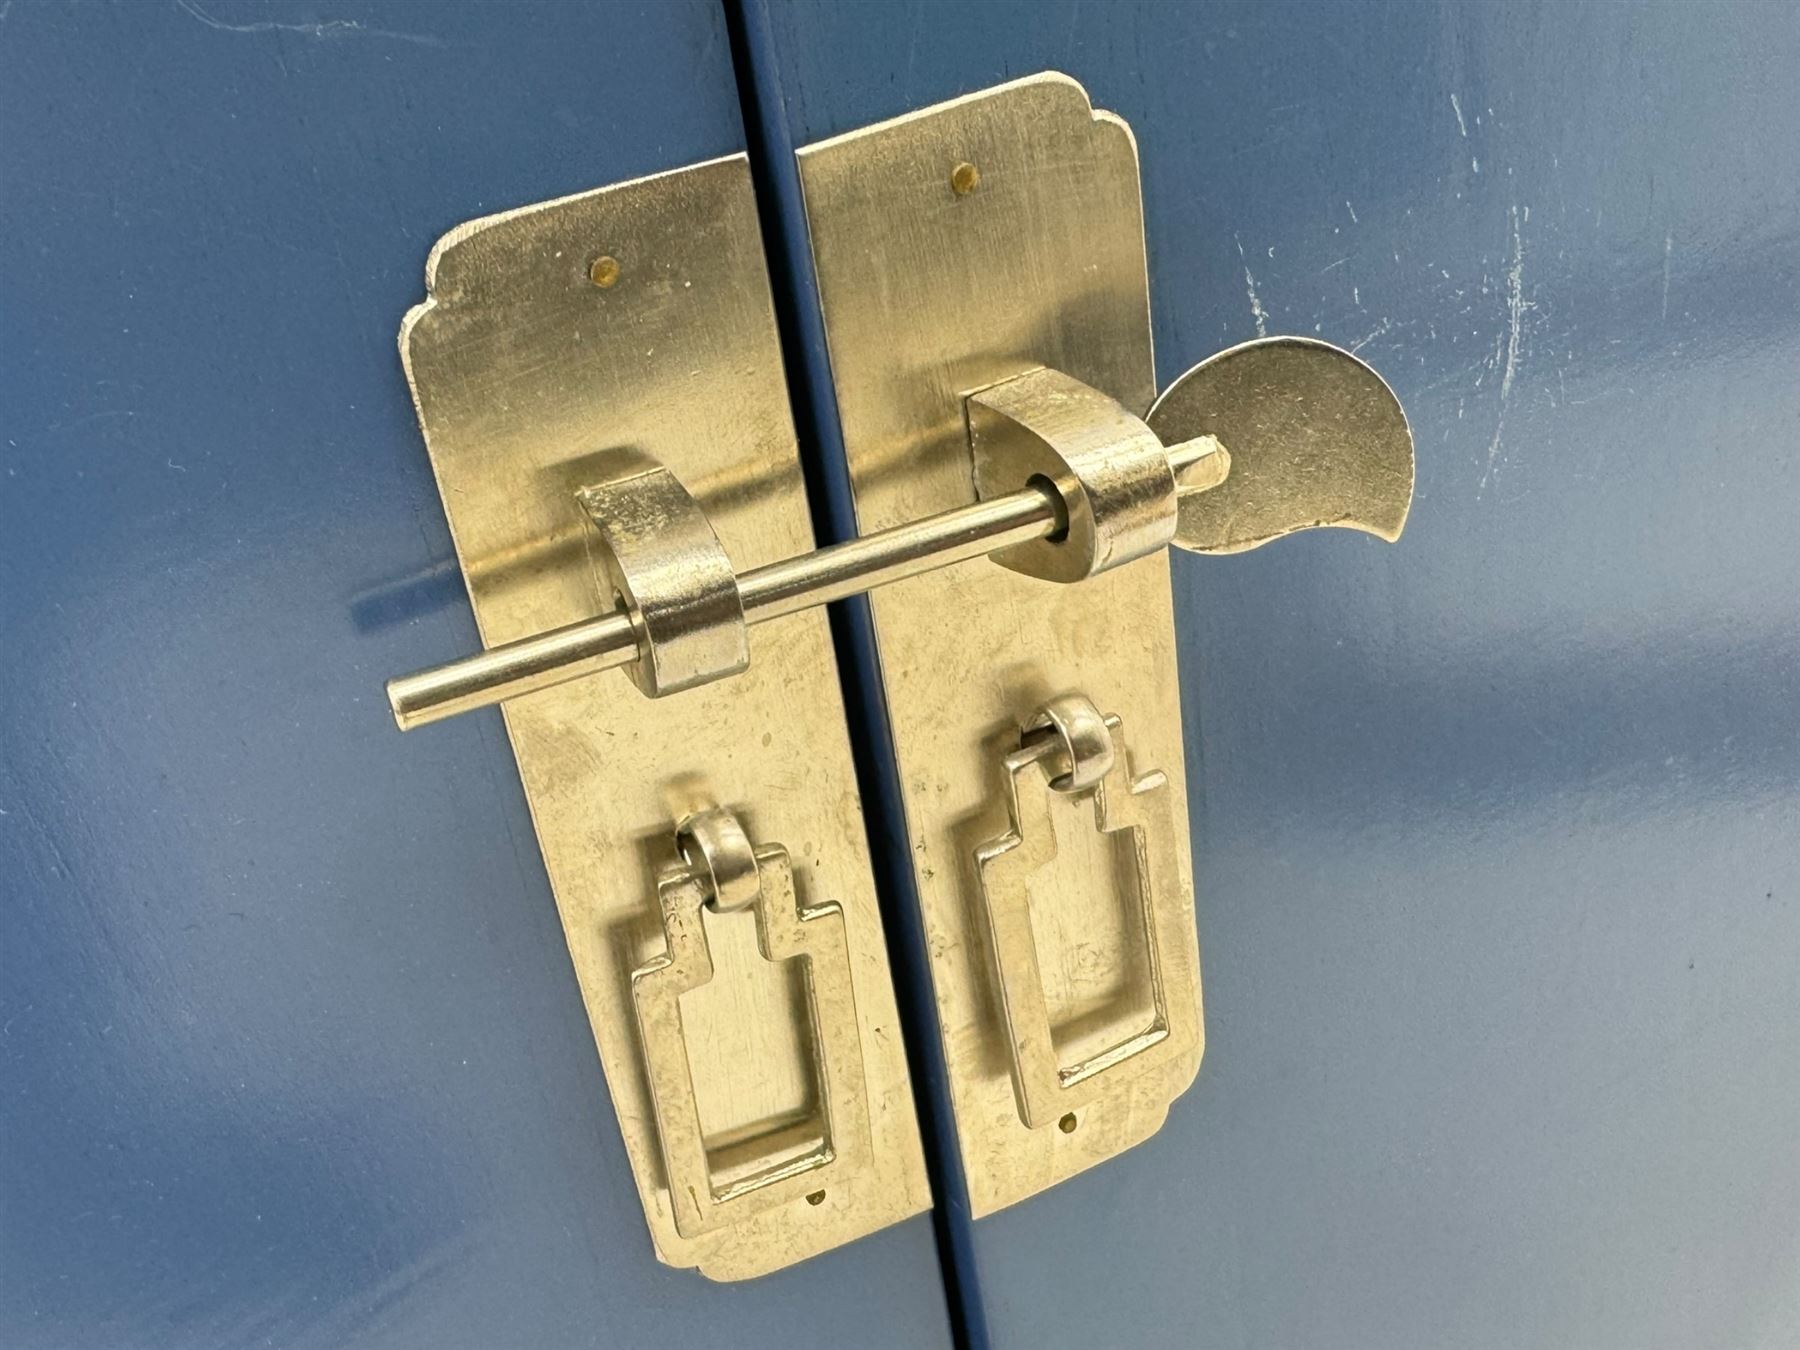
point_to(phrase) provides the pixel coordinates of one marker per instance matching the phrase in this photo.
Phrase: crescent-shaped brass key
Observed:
(1316, 439)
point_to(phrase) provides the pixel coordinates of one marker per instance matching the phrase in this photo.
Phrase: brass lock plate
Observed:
(637, 318)
(957, 248)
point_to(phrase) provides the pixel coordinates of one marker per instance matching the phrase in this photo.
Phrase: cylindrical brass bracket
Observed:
(714, 846)
(662, 566)
(1084, 750)
(1112, 473)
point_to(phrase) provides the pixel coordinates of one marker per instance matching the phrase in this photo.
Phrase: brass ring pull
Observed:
(1085, 755)
(714, 847)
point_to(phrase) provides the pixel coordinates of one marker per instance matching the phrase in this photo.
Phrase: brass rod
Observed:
(768, 592)
(919, 546)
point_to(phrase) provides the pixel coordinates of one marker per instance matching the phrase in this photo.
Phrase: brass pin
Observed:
(604, 271)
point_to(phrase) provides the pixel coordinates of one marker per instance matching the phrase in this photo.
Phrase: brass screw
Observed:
(964, 179)
(1067, 1123)
(604, 271)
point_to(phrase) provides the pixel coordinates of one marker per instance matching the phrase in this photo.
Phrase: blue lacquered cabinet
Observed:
(292, 1052)
(1496, 835)
(1495, 832)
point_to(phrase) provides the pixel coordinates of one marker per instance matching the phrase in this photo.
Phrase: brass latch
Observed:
(1079, 486)
(617, 463)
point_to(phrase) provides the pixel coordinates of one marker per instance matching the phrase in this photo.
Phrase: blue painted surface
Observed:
(290, 1048)
(1499, 842)
(808, 363)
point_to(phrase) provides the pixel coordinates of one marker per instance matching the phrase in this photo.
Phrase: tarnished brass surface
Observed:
(937, 283)
(1316, 439)
(526, 363)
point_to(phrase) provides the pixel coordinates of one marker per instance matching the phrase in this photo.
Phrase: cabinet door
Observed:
(293, 1053)
(1496, 832)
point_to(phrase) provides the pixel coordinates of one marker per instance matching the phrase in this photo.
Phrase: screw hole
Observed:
(1067, 1123)
(816, 1198)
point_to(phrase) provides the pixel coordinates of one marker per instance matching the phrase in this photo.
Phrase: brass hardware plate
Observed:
(638, 317)
(937, 282)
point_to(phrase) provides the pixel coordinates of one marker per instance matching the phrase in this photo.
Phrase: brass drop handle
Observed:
(722, 870)
(1258, 441)
(1069, 748)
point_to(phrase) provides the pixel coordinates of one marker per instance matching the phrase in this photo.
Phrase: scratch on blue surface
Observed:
(1516, 306)
(1257, 312)
(324, 29)
(1668, 251)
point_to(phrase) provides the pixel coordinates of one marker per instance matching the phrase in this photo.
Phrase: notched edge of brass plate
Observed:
(1039, 263)
(983, 357)
(525, 364)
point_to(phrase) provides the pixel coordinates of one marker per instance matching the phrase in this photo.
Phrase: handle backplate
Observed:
(580, 368)
(1033, 260)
